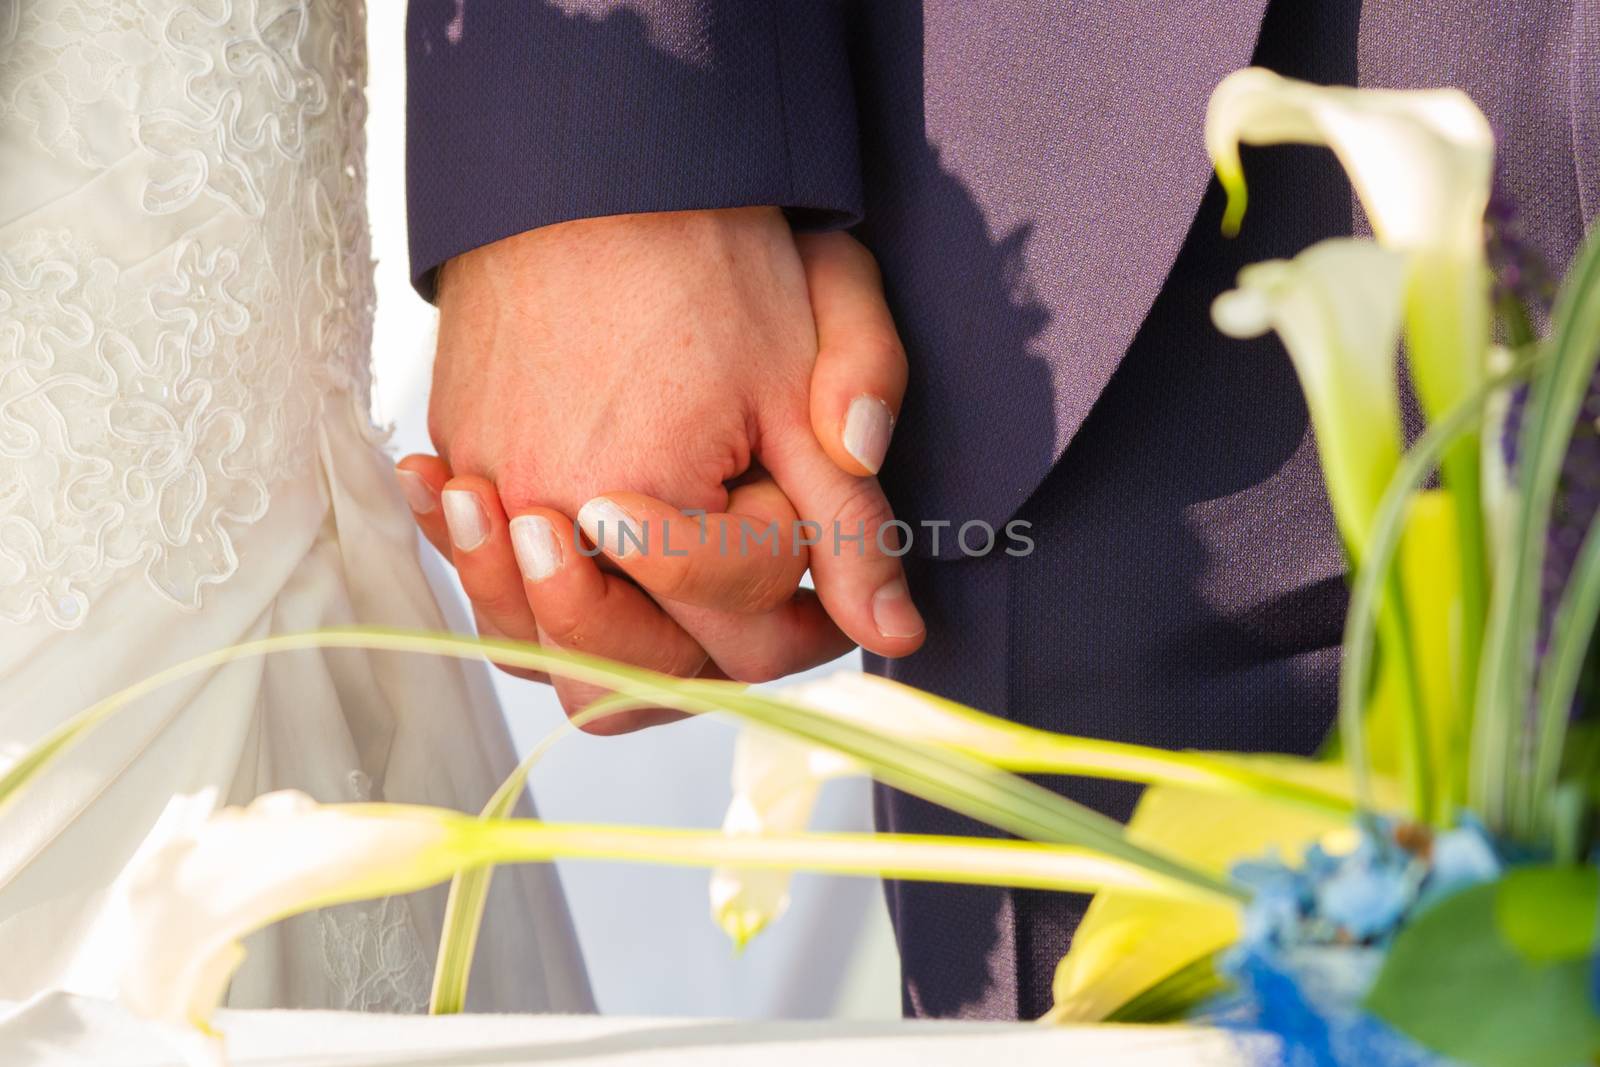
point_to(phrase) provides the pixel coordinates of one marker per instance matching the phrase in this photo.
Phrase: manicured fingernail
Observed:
(893, 613)
(866, 431)
(465, 518)
(610, 528)
(533, 539)
(418, 495)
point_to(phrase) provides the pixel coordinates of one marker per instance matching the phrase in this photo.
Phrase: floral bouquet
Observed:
(1424, 893)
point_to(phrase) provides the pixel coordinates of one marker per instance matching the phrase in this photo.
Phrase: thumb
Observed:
(855, 549)
(860, 373)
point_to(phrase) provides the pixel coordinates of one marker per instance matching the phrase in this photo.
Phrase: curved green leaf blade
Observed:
(948, 778)
(900, 710)
(469, 889)
(1507, 674)
(1374, 575)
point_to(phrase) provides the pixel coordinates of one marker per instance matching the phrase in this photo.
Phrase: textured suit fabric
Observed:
(521, 114)
(1186, 588)
(1031, 178)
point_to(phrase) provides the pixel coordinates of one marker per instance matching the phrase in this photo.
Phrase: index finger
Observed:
(745, 560)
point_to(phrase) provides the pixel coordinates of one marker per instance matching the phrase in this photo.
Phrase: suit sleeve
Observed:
(524, 113)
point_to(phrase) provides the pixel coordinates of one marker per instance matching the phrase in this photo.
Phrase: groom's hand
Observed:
(654, 359)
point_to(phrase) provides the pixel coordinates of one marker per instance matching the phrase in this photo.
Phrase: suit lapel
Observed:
(1063, 156)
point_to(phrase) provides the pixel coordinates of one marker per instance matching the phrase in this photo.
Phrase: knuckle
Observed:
(672, 577)
(860, 507)
(482, 622)
(761, 590)
(500, 605)
(881, 350)
(466, 456)
(494, 604)
(467, 449)
(661, 650)
(562, 626)
(683, 661)
(516, 483)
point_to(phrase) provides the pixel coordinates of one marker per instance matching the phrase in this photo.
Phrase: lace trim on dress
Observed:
(373, 957)
(165, 359)
(370, 949)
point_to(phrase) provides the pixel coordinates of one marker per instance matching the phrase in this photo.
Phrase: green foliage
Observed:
(1572, 638)
(1373, 579)
(1491, 977)
(1499, 792)
(1127, 945)
(1548, 914)
(1176, 995)
(946, 777)
(959, 782)
(469, 889)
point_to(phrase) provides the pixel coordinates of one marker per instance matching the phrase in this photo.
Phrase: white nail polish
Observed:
(465, 519)
(610, 528)
(418, 495)
(893, 613)
(867, 426)
(533, 539)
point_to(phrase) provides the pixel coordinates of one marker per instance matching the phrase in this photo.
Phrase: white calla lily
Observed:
(1337, 307)
(204, 879)
(1422, 163)
(1420, 160)
(776, 781)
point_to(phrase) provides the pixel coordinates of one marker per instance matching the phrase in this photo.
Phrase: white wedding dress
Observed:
(186, 462)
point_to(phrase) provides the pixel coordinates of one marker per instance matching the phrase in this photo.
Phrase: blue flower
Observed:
(1368, 897)
(1282, 897)
(1460, 858)
(1309, 1000)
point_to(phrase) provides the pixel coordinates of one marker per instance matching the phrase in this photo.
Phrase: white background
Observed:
(646, 932)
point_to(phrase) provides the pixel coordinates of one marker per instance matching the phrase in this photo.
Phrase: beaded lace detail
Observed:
(185, 293)
(185, 281)
(370, 950)
(373, 957)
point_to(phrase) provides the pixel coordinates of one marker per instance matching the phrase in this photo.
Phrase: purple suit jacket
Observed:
(1069, 132)
(1031, 176)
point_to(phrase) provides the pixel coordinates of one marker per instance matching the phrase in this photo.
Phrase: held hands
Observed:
(617, 370)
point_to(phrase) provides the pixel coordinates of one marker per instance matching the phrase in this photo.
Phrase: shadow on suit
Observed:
(1187, 589)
